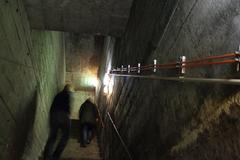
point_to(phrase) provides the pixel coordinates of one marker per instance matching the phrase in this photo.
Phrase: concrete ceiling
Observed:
(107, 17)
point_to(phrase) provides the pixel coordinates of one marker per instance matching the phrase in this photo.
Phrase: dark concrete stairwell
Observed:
(73, 151)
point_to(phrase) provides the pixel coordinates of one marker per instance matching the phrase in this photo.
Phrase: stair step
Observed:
(79, 159)
(73, 151)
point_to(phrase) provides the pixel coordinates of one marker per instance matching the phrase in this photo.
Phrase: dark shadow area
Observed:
(24, 128)
(78, 159)
(75, 129)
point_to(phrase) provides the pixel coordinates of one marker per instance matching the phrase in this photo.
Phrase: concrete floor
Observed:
(73, 151)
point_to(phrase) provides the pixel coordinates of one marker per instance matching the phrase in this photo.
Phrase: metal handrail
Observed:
(182, 63)
(120, 137)
(184, 79)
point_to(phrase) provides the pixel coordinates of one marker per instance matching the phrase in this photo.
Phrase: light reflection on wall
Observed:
(93, 81)
(108, 83)
(87, 81)
(82, 61)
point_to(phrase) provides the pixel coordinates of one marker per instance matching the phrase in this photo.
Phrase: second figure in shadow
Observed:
(88, 116)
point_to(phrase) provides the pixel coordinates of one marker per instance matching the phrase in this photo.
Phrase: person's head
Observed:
(89, 100)
(69, 88)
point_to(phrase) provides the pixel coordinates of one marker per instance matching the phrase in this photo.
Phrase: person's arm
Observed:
(71, 102)
(95, 110)
(54, 104)
(81, 110)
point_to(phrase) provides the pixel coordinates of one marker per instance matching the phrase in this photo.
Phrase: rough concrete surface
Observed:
(82, 61)
(31, 74)
(156, 119)
(92, 17)
(48, 58)
(73, 151)
(175, 120)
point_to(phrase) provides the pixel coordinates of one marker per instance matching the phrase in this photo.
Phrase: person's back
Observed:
(60, 109)
(61, 102)
(88, 113)
(59, 120)
(88, 116)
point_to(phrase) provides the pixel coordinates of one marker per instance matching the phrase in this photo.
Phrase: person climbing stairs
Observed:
(73, 151)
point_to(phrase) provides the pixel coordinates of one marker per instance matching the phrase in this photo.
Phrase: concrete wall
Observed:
(32, 71)
(82, 64)
(175, 120)
(100, 17)
(48, 59)
(82, 60)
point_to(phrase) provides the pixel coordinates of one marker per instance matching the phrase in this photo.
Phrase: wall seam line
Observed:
(181, 27)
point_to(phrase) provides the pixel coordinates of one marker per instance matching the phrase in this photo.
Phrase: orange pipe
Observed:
(147, 66)
(188, 64)
(166, 67)
(209, 63)
(167, 64)
(232, 55)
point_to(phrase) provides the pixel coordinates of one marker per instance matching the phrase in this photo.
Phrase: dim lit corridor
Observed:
(164, 74)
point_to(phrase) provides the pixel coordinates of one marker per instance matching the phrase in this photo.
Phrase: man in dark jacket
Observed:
(59, 120)
(88, 116)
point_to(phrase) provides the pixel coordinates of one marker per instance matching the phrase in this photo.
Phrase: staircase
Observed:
(73, 151)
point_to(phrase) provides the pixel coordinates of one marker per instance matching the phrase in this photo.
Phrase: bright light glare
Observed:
(105, 90)
(110, 90)
(106, 79)
(93, 81)
(108, 83)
